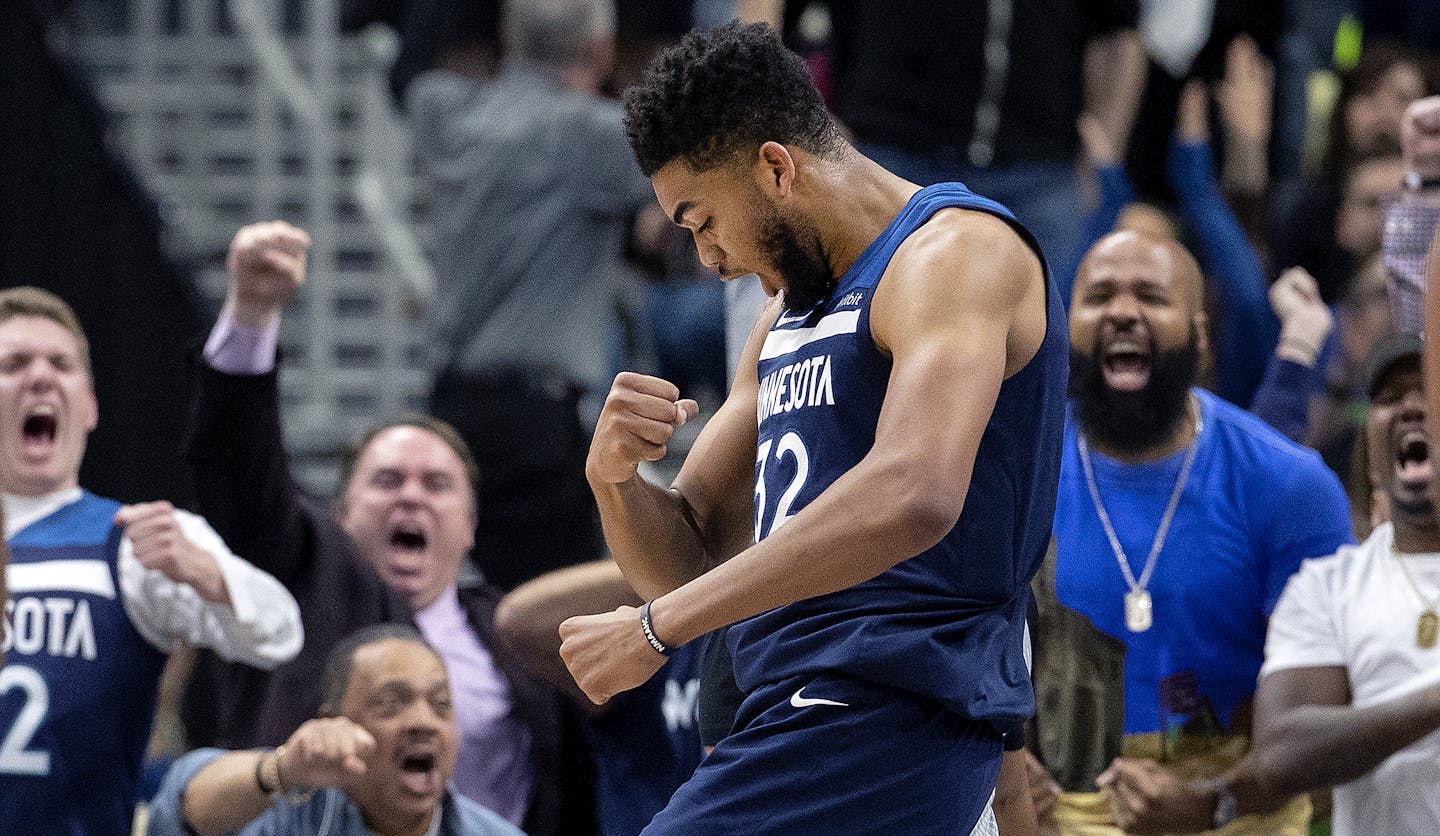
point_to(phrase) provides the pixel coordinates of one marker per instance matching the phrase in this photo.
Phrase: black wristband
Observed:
(649, 631)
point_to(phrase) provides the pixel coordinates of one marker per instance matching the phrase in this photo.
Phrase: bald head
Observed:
(1162, 259)
(1137, 339)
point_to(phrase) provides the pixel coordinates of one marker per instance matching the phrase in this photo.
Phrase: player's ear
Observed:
(776, 169)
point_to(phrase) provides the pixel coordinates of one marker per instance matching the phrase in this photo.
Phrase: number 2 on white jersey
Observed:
(15, 758)
(789, 443)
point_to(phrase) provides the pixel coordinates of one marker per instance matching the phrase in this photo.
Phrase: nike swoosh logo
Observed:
(801, 702)
(786, 320)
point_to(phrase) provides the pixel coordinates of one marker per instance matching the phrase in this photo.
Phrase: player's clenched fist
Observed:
(640, 414)
(326, 753)
(607, 653)
(266, 265)
(160, 544)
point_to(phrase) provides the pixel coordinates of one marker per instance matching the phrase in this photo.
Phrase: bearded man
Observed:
(1179, 520)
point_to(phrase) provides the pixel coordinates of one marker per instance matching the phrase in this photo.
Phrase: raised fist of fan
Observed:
(327, 752)
(1420, 137)
(266, 265)
(639, 417)
(159, 544)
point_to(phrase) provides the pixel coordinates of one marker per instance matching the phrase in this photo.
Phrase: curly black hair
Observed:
(721, 92)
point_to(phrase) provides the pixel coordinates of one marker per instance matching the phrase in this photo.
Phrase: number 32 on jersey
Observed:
(790, 446)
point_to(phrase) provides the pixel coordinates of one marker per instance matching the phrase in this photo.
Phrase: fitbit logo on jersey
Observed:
(58, 626)
(796, 386)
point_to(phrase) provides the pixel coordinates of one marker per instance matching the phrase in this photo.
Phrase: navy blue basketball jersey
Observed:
(77, 693)
(948, 623)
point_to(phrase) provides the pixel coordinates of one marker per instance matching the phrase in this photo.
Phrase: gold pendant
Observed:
(1427, 630)
(1139, 616)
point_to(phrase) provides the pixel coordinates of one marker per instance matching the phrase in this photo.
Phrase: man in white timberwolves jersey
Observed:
(98, 594)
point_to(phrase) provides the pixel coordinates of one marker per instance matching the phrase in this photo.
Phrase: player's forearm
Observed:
(1014, 807)
(1312, 747)
(875, 516)
(1431, 348)
(224, 797)
(528, 619)
(647, 528)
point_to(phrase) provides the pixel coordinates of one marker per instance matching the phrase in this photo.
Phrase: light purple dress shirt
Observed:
(239, 349)
(1409, 226)
(494, 762)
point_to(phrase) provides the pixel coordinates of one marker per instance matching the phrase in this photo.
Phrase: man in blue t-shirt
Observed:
(1179, 520)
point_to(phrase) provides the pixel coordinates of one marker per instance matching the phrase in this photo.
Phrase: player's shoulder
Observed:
(980, 249)
(965, 231)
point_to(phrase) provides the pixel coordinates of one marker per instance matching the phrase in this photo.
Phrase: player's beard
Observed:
(1133, 422)
(794, 252)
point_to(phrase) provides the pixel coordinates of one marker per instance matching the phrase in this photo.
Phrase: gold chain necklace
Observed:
(1427, 630)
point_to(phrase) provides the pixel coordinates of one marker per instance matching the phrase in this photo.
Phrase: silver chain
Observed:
(1159, 543)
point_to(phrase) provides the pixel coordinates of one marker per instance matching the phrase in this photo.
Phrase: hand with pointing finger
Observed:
(638, 419)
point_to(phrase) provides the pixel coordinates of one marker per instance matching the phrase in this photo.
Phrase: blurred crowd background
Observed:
(479, 258)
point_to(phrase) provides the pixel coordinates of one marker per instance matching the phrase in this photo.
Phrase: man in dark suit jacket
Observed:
(389, 549)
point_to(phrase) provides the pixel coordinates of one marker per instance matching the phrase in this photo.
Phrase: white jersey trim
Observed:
(780, 343)
(86, 576)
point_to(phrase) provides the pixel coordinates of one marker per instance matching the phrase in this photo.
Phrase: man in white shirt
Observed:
(98, 593)
(1349, 694)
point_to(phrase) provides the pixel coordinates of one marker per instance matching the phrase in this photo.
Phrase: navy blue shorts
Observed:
(835, 756)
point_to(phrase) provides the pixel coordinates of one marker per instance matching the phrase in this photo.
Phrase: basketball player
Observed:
(915, 349)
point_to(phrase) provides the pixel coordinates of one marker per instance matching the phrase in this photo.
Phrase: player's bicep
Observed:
(945, 316)
(941, 393)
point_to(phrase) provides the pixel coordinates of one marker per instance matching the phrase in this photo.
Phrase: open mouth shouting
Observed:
(1125, 361)
(408, 537)
(420, 769)
(38, 430)
(1412, 456)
